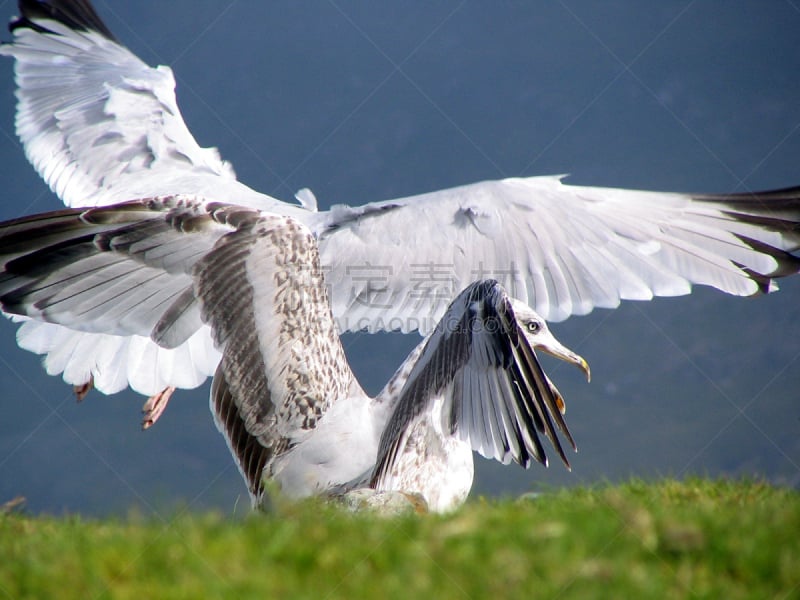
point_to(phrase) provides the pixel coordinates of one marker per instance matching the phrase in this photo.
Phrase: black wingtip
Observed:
(776, 211)
(75, 14)
(783, 198)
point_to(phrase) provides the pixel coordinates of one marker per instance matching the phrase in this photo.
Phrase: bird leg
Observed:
(83, 389)
(154, 406)
(417, 501)
(12, 505)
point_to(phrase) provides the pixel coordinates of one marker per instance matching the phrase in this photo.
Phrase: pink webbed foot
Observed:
(83, 389)
(154, 406)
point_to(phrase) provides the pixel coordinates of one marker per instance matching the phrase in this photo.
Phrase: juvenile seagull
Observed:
(283, 394)
(102, 127)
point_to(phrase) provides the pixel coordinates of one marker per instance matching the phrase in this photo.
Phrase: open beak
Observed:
(555, 348)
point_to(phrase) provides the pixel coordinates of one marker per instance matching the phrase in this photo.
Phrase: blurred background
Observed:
(362, 101)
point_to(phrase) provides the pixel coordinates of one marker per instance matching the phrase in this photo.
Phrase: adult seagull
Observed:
(283, 394)
(102, 127)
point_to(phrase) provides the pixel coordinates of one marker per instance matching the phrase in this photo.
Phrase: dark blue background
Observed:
(365, 101)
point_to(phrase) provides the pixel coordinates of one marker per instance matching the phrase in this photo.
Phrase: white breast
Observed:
(434, 464)
(342, 447)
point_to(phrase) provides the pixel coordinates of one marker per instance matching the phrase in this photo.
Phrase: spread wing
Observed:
(263, 292)
(496, 396)
(166, 268)
(122, 270)
(111, 276)
(98, 124)
(112, 362)
(561, 249)
(101, 127)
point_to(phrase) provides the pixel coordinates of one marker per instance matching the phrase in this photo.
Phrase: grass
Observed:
(699, 538)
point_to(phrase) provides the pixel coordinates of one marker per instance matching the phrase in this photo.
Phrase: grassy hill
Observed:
(696, 538)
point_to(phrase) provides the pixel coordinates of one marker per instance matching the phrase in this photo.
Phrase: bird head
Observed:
(540, 337)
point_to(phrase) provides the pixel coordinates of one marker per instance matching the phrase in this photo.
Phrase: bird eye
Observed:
(533, 326)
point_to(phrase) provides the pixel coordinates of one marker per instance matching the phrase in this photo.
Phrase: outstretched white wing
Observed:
(561, 249)
(100, 125)
(114, 362)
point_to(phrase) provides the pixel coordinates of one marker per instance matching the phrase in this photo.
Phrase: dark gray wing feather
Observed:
(124, 269)
(253, 277)
(251, 457)
(75, 14)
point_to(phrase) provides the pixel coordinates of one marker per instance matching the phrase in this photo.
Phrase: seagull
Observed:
(103, 128)
(283, 394)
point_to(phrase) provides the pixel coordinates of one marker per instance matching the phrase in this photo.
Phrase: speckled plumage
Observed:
(284, 395)
(263, 293)
(431, 462)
